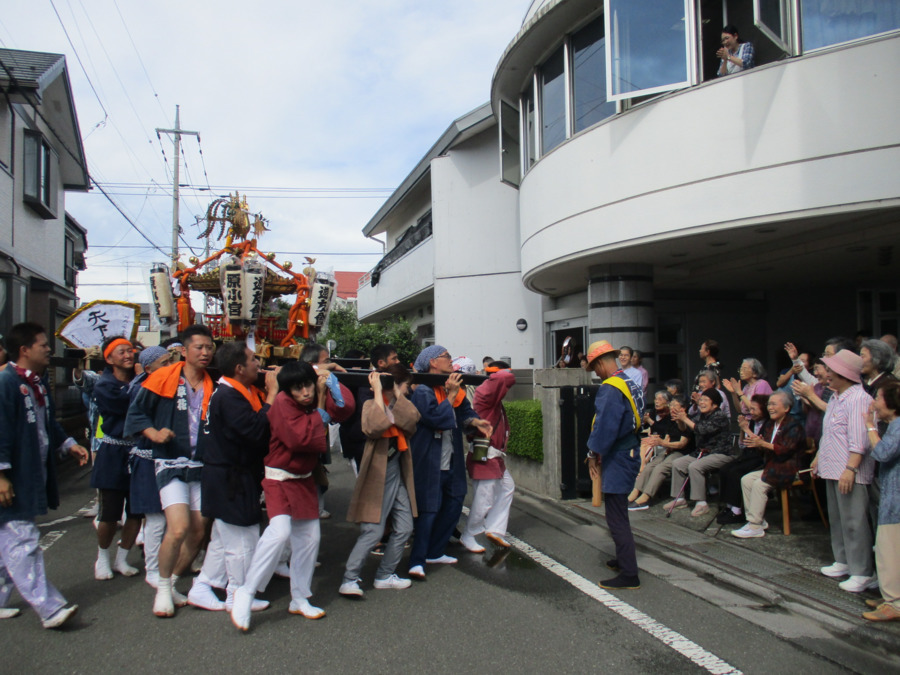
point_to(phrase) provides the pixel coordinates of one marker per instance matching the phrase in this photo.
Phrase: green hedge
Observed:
(526, 429)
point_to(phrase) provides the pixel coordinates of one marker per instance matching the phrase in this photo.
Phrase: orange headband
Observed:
(115, 343)
(492, 369)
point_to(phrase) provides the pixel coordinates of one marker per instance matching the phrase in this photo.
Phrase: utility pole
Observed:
(177, 133)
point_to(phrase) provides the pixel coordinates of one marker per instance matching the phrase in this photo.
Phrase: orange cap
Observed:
(598, 349)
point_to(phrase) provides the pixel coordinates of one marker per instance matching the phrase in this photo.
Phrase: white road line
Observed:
(50, 538)
(64, 519)
(667, 636)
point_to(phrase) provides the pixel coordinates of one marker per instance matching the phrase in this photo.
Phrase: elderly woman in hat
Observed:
(844, 463)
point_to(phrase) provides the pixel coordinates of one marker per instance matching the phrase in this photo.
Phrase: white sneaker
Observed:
(60, 617)
(282, 570)
(351, 588)
(240, 613)
(9, 612)
(102, 570)
(858, 584)
(324, 515)
(392, 581)
(469, 543)
(836, 570)
(201, 596)
(749, 531)
(417, 572)
(121, 565)
(303, 608)
(765, 524)
(443, 560)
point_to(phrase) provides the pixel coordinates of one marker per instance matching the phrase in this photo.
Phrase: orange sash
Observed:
(164, 382)
(441, 395)
(253, 395)
(395, 432)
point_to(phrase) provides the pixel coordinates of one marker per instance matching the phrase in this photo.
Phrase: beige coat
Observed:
(365, 505)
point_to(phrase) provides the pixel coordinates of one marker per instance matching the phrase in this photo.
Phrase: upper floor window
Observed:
(830, 22)
(648, 46)
(553, 101)
(40, 166)
(589, 77)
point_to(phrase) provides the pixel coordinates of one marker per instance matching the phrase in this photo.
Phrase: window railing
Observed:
(407, 242)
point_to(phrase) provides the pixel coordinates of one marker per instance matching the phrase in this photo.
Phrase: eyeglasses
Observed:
(445, 355)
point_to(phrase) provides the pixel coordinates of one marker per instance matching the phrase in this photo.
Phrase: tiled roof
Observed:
(31, 70)
(347, 284)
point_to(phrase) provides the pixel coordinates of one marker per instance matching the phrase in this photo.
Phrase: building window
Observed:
(529, 144)
(648, 46)
(829, 22)
(772, 17)
(13, 302)
(510, 161)
(40, 175)
(589, 76)
(553, 101)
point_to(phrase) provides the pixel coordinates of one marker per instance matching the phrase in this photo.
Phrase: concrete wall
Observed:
(544, 478)
(477, 277)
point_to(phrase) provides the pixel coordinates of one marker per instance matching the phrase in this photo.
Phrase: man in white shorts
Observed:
(168, 411)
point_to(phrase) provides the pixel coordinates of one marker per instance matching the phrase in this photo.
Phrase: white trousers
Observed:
(154, 531)
(490, 505)
(303, 536)
(229, 554)
(756, 495)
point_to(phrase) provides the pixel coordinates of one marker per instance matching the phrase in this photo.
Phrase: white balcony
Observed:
(405, 284)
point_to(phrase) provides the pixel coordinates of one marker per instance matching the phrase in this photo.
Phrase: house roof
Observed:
(347, 284)
(463, 128)
(40, 81)
(29, 70)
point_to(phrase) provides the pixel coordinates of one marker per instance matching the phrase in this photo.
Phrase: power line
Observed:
(130, 222)
(143, 246)
(140, 60)
(75, 51)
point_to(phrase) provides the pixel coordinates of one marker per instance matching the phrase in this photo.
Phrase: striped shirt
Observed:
(844, 432)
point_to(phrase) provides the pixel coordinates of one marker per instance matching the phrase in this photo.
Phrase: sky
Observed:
(316, 111)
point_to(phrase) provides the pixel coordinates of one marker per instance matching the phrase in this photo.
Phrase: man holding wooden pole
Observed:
(614, 445)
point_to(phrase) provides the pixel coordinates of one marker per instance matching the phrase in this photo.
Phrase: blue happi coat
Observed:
(425, 447)
(614, 437)
(19, 448)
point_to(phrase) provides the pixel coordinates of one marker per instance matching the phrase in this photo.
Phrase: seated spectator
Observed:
(887, 541)
(735, 54)
(707, 379)
(753, 376)
(670, 440)
(712, 439)
(675, 387)
(749, 460)
(782, 441)
(709, 352)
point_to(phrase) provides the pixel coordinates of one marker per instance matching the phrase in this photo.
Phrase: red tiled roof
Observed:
(347, 284)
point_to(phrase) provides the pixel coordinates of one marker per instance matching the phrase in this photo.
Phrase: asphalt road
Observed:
(487, 613)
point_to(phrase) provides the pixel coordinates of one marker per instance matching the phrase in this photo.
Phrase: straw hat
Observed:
(598, 349)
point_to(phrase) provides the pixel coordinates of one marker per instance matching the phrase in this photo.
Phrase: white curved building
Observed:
(658, 205)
